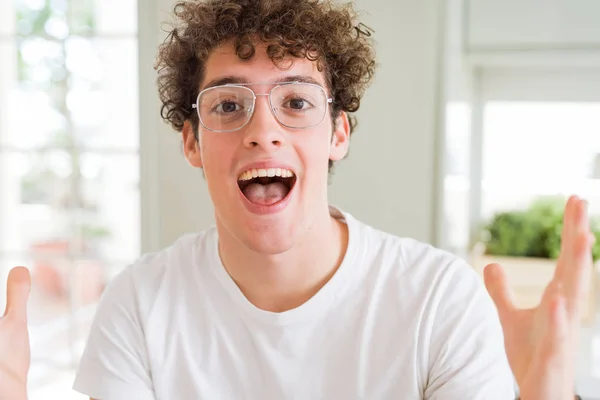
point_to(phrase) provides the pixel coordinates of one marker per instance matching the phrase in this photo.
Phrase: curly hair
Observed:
(318, 30)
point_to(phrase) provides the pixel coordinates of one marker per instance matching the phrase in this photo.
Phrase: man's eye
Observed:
(227, 107)
(298, 104)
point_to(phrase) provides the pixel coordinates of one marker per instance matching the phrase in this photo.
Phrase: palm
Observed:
(541, 342)
(518, 346)
(14, 337)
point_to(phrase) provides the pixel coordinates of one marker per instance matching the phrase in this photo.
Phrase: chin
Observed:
(265, 235)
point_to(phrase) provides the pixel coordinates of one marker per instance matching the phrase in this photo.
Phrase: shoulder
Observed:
(416, 274)
(141, 282)
(407, 256)
(445, 289)
(129, 323)
(176, 258)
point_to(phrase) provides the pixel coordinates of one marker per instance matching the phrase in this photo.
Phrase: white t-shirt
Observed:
(398, 320)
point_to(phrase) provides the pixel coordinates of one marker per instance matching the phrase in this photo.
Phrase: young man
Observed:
(287, 297)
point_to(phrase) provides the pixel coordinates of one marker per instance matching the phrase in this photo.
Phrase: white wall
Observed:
(389, 178)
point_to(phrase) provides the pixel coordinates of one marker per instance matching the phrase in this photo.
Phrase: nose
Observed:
(263, 130)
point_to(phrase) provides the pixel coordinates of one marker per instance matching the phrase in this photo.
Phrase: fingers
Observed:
(577, 278)
(496, 283)
(17, 292)
(575, 262)
(569, 217)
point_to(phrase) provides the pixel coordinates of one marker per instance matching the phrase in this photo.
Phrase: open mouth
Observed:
(266, 186)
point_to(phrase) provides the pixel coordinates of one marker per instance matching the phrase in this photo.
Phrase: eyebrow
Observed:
(240, 80)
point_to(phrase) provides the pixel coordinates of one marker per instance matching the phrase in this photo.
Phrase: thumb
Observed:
(17, 292)
(496, 283)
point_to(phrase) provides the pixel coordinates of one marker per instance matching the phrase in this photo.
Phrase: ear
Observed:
(340, 140)
(191, 147)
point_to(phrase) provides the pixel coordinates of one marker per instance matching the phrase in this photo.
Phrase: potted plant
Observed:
(527, 243)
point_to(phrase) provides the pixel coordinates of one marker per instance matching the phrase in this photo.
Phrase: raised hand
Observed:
(14, 337)
(541, 343)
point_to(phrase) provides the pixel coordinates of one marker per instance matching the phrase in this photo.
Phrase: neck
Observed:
(285, 281)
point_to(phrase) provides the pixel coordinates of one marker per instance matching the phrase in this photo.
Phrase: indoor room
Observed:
(481, 119)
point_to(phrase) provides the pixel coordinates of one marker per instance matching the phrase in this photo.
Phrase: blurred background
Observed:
(484, 116)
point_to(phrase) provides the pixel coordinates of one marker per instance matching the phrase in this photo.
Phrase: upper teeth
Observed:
(270, 172)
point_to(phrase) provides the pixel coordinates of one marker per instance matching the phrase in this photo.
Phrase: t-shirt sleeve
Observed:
(467, 358)
(115, 364)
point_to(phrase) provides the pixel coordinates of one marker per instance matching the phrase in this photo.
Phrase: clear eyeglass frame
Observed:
(244, 86)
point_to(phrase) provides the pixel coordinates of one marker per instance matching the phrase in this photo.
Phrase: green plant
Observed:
(534, 232)
(90, 231)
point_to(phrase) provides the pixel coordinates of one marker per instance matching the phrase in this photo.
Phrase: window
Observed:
(538, 134)
(535, 148)
(69, 167)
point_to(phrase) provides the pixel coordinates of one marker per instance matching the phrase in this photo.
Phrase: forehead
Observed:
(223, 62)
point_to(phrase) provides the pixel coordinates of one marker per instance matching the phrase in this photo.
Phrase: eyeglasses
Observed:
(228, 108)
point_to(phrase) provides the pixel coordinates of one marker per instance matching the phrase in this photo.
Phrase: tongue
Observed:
(265, 194)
